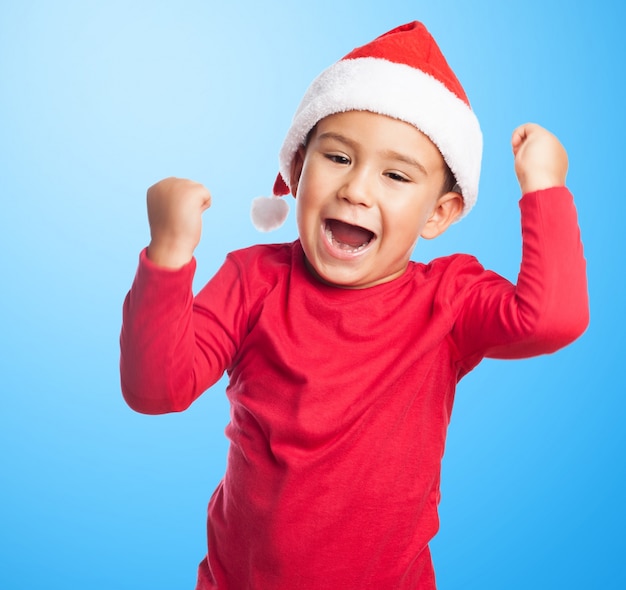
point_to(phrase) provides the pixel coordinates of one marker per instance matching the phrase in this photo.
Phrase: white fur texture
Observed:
(268, 213)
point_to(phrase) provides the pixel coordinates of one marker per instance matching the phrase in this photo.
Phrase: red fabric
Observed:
(411, 44)
(280, 187)
(340, 398)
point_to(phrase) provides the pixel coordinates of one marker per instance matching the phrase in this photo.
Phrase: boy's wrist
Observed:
(168, 256)
(539, 183)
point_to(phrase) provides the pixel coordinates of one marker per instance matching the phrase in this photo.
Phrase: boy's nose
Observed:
(357, 188)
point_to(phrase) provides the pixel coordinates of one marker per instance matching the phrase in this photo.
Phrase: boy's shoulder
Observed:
(450, 264)
(267, 262)
(264, 253)
(448, 278)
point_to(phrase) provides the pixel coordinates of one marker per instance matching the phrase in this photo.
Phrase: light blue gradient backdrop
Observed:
(98, 100)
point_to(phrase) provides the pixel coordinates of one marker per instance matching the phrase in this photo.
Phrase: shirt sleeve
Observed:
(548, 308)
(174, 346)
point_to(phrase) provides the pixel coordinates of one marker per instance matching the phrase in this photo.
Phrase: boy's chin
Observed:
(332, 279)
(344, 279)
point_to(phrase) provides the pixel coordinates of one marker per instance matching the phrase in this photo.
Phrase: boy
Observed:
(343, 355)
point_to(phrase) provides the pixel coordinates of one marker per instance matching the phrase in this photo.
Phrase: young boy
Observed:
(343, 355)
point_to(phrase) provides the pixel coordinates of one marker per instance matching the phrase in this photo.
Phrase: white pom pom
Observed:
(268, 213)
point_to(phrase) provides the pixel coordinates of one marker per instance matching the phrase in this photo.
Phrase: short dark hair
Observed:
(449, 182)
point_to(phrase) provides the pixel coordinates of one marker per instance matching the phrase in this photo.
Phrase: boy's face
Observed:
(367, 187)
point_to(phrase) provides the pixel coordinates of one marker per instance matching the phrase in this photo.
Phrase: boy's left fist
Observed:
(540, 159)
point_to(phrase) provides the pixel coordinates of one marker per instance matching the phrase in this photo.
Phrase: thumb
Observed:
(521, 135)
(206, 202)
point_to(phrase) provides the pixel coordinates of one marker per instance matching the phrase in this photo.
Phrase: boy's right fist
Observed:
(175, 207)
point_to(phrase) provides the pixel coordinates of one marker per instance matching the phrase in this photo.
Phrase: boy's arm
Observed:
(548, 307)
(171, 352)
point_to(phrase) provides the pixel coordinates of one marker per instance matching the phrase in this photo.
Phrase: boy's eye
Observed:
(397, 176)
(338, 158)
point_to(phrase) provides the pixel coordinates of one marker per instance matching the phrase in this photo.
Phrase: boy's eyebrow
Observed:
(390, 154)
(338, 137)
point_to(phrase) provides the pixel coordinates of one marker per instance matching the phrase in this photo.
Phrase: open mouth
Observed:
(347, 237)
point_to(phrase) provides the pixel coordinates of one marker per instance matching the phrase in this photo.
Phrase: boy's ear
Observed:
(296, 169)
(448, 208)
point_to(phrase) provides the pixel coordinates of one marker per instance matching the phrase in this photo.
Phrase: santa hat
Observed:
(401, 74)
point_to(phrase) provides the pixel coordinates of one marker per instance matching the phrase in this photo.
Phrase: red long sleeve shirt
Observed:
(340, 399)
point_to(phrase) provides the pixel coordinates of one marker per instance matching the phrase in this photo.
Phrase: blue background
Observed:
(98, 100)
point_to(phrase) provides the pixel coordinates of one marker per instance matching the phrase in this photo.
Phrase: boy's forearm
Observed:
(552, 283)
(548, 307)
(156, 341)
(551, 293)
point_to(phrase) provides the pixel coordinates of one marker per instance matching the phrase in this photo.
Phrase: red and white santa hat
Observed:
(401, 74)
